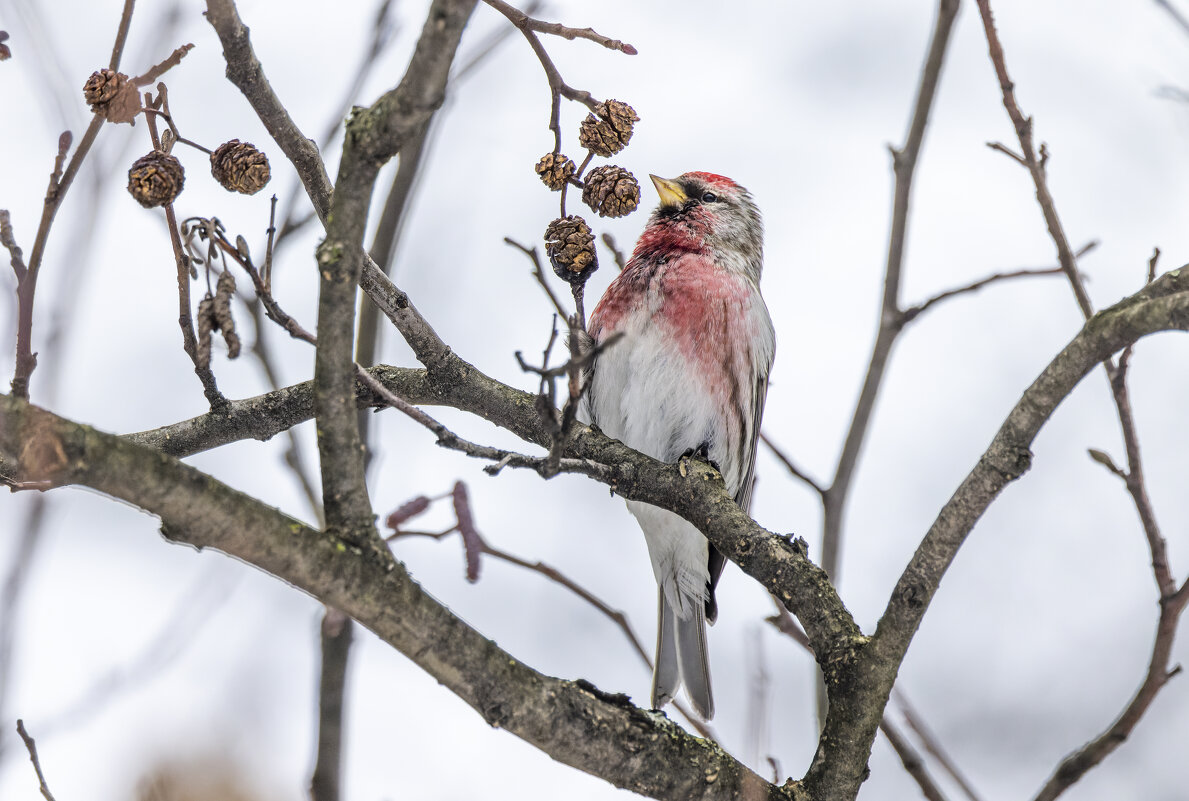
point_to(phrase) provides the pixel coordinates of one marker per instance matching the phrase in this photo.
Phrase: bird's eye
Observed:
(709, 197)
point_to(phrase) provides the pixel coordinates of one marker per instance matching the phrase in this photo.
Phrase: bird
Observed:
(687, 376)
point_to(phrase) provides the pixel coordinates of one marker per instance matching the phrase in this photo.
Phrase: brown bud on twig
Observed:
(156, 179)
(609, 129)
(406, 511)
(611, 191)
(472, 543)
(569, 244)
(555, 169)
(240, 167)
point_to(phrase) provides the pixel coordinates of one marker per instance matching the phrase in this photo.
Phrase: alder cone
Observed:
(569, 244)
(555, 170)
(240, 167)
(156, 179)
(102, 86)
(611, 191)
(609, 129)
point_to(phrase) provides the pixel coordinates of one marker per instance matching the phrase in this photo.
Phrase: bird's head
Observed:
(704, 211)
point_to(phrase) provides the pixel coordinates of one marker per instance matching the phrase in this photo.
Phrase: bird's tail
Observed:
(681, 658)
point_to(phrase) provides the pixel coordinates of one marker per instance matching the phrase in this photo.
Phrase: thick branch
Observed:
(578, 725)
(245, 71)
(1163, 305)
(373, 136)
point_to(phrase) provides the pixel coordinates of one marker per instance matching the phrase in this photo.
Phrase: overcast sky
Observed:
(132, 652)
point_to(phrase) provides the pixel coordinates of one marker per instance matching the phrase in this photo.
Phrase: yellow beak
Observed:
(670, 191)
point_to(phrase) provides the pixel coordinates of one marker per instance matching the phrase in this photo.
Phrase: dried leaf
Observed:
(124, 106)
(406, 511)
(472, 543)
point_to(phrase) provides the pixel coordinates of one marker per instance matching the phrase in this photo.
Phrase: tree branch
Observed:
(1171, 603)
(39, 449)
(904, 162)
(602, 734)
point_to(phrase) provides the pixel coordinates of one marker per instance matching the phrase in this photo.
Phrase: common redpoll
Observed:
(689, 376)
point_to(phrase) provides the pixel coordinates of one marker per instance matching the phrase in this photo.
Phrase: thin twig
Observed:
(60, 182)
(8, 240)
(32, 748)
(210, 386)
(795, 471)
(522, 21)
(117, 50)
(904, 162)
(383, 33)
(616, 253)
(616, 616)
(1172, 600)
(558, 88)
(1035, 165)
(933, 745)
(912, 312)
(911, 760)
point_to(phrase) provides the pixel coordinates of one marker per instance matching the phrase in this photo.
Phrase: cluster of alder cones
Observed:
(157, 178)
(609, 190)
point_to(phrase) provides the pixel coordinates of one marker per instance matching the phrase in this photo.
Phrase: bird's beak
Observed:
(672, 195)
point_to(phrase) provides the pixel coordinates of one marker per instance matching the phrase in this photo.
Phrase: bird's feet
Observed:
(701, 453)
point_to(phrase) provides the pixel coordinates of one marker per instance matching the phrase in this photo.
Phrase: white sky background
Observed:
(1043, 626)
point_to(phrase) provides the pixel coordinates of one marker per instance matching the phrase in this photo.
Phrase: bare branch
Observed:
(616, 616)
(1028, 158)
(8, 240)
(1172, 603)
(912, 312)
(616, 253)
(932, 744)
(911, 761)
(558, 88)
(795, 471)
(117, 50)
(904, 162)
(32, 748)
(523, 21)
(337, 631)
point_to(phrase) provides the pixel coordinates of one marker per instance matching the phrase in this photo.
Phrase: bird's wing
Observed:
(743, 496)
(717, 561)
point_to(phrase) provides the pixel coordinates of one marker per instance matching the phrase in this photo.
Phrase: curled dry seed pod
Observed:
(224, 291)
(570, 247)
(206, 324)
(609, 129)
(240, 167)
(555, 169)
(112, 94)
(611, 191)
(156, 179)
